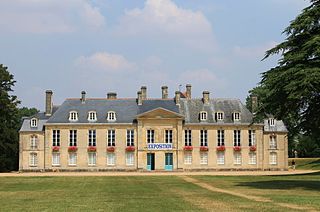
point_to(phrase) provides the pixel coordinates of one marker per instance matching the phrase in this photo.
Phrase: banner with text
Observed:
(159, 146)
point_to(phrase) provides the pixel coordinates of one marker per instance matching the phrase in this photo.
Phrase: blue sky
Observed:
(105, 46)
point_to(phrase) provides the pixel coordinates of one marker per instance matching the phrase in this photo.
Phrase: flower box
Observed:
(55, 149)
(188, 148)
(130, 148)
(92, 149)
(237, 148)
(72, 149)
(204, 148)
(221, 148)
(253, 148)
(110, 149)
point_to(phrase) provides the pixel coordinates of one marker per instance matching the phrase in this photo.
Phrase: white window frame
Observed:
(150, 136)
(92, 116)
(272, 122)
(237, 159)
(252, 158)
(111, 116)
(92, 137)
(33, 159)
(33, 142)
(204, 158)
(220, 158)
(188, 137)
(220, 137)
(55, 159)
(187, 157)
(111, 159)
(204, 137)
(34, 122)
(252, 137)
(92, 161)
(111, 137)
(73, 116)
(130, 137)
(236, 116)
(236, 137)
(73, 137)
(129, 158)
(72, 161)
(273, 142)
(220, 116)
(55, 137)
(273, 158)
(203, 116)
(168, 136)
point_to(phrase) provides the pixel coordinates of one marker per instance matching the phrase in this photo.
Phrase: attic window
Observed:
(203, 116)
(271, 122)
(111, 116)
(219, 116)
(73, 116)
(34, 122)
(236, 116)
(92, 116)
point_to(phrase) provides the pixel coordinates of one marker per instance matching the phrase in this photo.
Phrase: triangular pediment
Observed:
(160, 113)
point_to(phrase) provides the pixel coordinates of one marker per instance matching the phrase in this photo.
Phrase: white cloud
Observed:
(253, 51)
(48, 16)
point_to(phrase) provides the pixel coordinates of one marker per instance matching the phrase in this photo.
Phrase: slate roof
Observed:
(26, 125)
(149, 104)
(279, 126)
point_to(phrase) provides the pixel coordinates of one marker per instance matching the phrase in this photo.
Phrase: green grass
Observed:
(157, 193)
(306, 163)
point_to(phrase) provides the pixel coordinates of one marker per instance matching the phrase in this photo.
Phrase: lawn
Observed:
(306, 163)
(160, 193)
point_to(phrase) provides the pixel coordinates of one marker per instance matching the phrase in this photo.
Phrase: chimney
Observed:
(206, 97)
(188, 91)
(144, 92)
(49, 102)
(164, 92)
(139, 97)
(83, 97)
(254, 104)
(177, 97)
(111, 95)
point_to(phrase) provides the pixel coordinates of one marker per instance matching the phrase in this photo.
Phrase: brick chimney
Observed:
(144, 92)
(111, 95)
(177, 97)
(48, 111)
(164, 92)
(188, 91)
(206, 97)
(139, 100)
(83, 97)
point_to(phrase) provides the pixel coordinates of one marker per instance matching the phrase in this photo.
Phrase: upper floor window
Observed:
(73, 116)
(203, 116)
(92, 116)
(168, 136)
(130, 137)
(55, 137)
(236, 116)
(92, 138)
(219, 116)
(203, 138)
(111, 116)
(73, 138)
(236, 138)
(272, 122)
(34, 122)
(252, 137)
(220, 138)
(150, 136)
(33, 142)
(187, 138)
(111, 137)
(273, 142)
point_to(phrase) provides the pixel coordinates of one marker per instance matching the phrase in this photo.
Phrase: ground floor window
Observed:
(92, 158)
(252, 158)
(237, 158)
(203, 158)
(33, 160)
(273, 158)
(111, 159)
(72, 159)
(55, 159)
(130, 158)
(220, 158)
(188, 158)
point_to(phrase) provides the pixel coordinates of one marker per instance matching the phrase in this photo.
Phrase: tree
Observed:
(291, 90)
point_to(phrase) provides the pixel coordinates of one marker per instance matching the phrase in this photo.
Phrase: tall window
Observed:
(187, 138)
(150, 136)
(34, 122)
(236, 138)
(111, 138)
(203, 116)
(252, 137)
(130, 158)
(273, 142)
(252, 158)
(220, 158)
(92, 138)
(111, 159)
(188, 157)
(203, 138)
(273, 158)
(220, 138)
(92, 158)
(237, 158)
(92, 116)
(168, 136)
(219, 116)
(111, 116)
(73, 116)
(130, 137)
(55, 137)
(236, 116)
(33, 160)
(203, 158)
(73, 138)
(33, 142)
(72, 158)
(55, 158)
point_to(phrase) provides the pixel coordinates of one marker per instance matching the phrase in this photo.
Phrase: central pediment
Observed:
(160, 113)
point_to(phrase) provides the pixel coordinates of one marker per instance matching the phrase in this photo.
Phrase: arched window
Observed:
(33, 122)
(111, 116)
(203, 116)
(92, 116)
(73, 116)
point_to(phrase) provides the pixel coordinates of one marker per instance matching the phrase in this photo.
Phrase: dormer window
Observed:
(111, 116)
(34, 122)
(236, 116)
(272, 122)
(92, 116)
(203, 116)
(73, 116)
(219, 116)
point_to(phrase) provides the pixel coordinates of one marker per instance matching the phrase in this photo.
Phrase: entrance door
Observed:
(168, 162)
(150, 161)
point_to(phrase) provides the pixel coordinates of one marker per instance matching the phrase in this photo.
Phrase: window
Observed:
(72, 158)
(73, 138)
(273, 142)
(92, 116)
(55, 159)
(252, 137)
(187, 138)
(111, 116)
(130, 158)
(33, 142)
(236, 138)
(55, 137)
(236, 116)
(150, 136)
(34, 122)
(130, 137)
(92, 158)
(271, 122)
(187, 157)
(220, 138)
(219, 116)
(220, 158)
(252, 158)
(92, 138)
(203, 158)
(111, 159)
(168, 136)
(203, 116)
(273, 158)
(203, 138)
(73, 116)
(33, 160)
(237, 158)
(111, 138)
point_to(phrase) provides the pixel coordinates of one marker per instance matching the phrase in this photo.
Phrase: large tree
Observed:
(291, 90)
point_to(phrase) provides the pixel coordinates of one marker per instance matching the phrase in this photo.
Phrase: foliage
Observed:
(307, 147)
